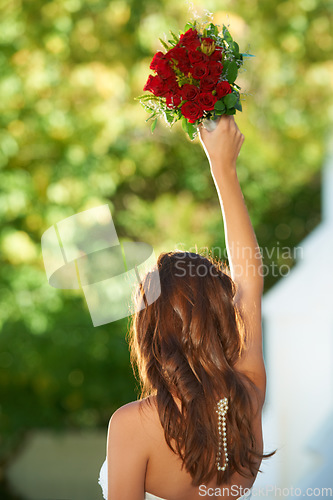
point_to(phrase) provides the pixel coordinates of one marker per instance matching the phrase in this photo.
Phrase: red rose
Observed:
(208, 83)
(215, 68)
(190, 37)
(217, 54)
(189, 92)
(223, 88)
(196, 56)
(207, 100)
(172, 84)
(199, 71)
(193, 44)
(192, 111)
(179, 54)
(156, 85)
(159, 56)
(162, 67)
(164, 70)
(172, 101)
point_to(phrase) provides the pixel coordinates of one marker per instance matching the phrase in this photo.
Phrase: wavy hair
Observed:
(185, 344)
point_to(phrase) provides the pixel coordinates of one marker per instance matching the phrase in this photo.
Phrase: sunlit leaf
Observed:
(230, 100)
(153, 125)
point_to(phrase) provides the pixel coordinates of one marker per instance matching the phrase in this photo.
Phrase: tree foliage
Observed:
(72, 137)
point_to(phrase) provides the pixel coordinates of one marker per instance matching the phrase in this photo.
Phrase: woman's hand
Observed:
(222, 146)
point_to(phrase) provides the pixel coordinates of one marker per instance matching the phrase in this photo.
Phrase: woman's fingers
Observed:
(226, 126)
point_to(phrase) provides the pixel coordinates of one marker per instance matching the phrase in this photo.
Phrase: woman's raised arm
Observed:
(222, 147)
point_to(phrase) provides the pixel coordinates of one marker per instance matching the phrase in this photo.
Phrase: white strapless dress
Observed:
(103, 481)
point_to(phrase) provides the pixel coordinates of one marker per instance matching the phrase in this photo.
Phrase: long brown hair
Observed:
(185, 344)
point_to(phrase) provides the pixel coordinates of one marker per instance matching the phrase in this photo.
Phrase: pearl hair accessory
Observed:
(222, 408)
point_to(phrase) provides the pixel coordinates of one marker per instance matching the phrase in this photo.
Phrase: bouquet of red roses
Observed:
(195, 78)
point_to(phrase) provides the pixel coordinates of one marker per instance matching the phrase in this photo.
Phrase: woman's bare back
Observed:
(164, 477)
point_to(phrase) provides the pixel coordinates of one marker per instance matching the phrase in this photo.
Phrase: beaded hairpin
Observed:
(222, 408)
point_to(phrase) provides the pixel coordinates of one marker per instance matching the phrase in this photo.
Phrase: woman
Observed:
(196, 432)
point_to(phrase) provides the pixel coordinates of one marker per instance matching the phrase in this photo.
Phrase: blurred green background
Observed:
(72, 137)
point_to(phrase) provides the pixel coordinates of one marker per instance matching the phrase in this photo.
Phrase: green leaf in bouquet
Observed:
(172, 42)
(151, 116)
(226, 64)
(238, 105)
(230, 100)
(164, 44)
(235, 48)
(147, 108)
(169, 116)
(178, 114)
(191, 130)
(219, 106)
(153, 125)
(189, 26)
(185, 124)
(231, 71)
(175, 37)
(231, 111)
(214, 29)
(226, 35)
(147, 97)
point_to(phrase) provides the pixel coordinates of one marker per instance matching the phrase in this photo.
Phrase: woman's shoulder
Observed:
(130, 423)
(134, 412)
(127, 409)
